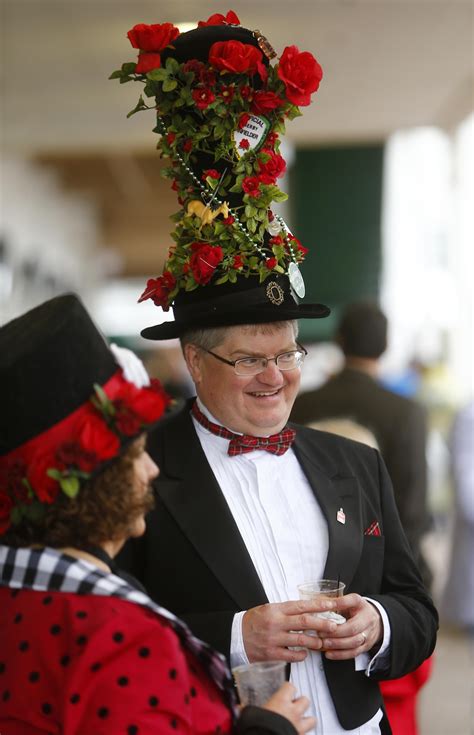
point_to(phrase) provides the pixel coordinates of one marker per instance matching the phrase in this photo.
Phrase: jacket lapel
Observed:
(195, 500)
(333, 493)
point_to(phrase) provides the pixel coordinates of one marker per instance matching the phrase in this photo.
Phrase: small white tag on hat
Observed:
(254, 132)
(341, 516)
(296, 280)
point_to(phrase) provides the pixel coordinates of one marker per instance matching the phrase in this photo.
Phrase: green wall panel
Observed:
(336, 196)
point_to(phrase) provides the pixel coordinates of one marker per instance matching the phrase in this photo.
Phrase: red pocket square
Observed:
(373, 529)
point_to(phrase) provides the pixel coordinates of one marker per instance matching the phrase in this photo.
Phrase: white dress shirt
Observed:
(286, 536)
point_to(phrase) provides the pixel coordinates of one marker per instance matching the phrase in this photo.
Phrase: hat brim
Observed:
(260, 315)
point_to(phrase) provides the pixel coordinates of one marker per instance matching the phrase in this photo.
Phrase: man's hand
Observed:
(269, 631)
(362, 631)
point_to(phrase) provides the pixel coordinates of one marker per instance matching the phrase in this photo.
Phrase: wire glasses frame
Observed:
(254, 365)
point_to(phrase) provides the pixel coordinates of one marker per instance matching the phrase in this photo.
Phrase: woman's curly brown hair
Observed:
(103, 510)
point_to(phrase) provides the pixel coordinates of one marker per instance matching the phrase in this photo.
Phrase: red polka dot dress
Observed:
(88, 665)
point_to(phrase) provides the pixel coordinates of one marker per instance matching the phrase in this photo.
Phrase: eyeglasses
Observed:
(255, 365)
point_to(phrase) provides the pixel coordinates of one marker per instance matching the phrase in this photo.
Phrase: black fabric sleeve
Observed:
(259, 721)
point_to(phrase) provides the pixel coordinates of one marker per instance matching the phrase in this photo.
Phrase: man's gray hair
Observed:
(210, 337)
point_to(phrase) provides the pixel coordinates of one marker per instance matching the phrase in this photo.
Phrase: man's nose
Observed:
(272, 374)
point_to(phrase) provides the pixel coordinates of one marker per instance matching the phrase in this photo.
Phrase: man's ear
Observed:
(193, 357)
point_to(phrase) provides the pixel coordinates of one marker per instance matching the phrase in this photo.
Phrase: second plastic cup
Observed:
(258, 681)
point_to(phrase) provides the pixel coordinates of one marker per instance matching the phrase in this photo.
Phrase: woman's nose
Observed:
(152, 468)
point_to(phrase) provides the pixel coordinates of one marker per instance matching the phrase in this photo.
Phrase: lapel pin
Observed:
(341, 516)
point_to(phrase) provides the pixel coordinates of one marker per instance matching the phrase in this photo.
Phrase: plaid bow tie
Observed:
(242, 443)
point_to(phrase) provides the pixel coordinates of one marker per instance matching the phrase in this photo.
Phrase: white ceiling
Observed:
(388, 64)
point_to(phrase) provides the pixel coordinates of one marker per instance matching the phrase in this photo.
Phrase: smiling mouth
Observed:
(265, 393)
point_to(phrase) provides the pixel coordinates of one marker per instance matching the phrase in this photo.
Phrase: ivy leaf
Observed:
(293, 112)
(280, 196)
(172, 65)
(157, 75)
(35, 511)
(102, 395)
(139, 106)
(70, 486)
(169, 85)
(54, 474)
(251, 225)
(129, 67)
(16, 514)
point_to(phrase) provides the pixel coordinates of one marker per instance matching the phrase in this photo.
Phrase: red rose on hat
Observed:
(204, 260)
(203, 97)
(220, 20)
(126, 420)
(44, 487)
(237, 57)
(251, 186)
(158, 290)
(211, 173)
(6, 506)
(94, 436)
(301, 74)
(153, 37)
(72, 455)
(147, 62)
(274, 167)
(138, 406)
(12, 478)
(264, 102)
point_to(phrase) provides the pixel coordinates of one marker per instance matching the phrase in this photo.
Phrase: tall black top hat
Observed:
(67, 410)
(221, 107)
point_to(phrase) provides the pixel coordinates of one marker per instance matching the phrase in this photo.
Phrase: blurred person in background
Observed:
(457, 606)
(398, 426)
(81, 650)
(397, 423)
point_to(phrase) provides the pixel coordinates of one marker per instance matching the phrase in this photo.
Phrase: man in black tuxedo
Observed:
(248, 507)
(398, 423)
(232, 536)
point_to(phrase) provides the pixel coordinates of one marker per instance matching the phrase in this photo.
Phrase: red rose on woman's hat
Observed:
(301, 74)
(12, 479)
(237, 57)
(44, 487)
(94, 436)
(204, 260)
(139, 405)
(6, 506)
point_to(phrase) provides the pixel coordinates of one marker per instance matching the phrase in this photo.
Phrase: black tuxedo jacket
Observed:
(193, 559)
(399, 425)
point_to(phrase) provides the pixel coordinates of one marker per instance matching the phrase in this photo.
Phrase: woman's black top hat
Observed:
(67, 409)
(221, 107)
